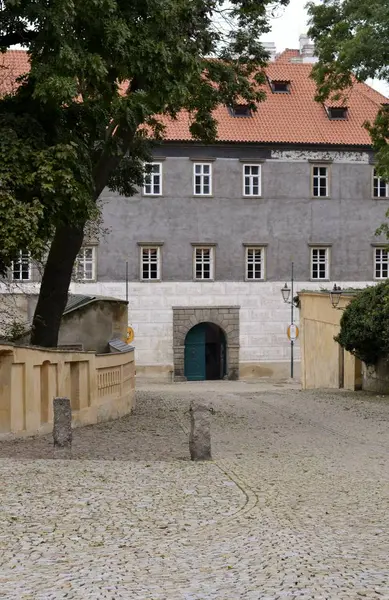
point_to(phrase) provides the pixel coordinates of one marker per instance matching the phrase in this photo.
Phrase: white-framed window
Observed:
(202, 179)
(251, 180)
(380, 186)
(21, 266)
(381, 263)
(86, 264)
(255, 263)
(153, 180)
(320, 263)
(150, 263)
(203, 262)
(320, 181)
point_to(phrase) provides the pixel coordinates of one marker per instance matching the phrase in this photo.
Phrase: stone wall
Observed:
(264, 348)
(94, 324)
(376, 378)
(100, 387)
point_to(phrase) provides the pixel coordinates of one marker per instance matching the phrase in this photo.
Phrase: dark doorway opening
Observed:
(205, 352)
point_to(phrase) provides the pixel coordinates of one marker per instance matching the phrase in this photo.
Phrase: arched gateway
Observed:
(206, 343)
(205, 352)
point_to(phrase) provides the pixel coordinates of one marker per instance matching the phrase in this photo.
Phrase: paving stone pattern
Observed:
(295, 503)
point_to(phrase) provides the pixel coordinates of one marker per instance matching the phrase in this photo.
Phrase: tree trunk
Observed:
(55, 285)
(64, 248)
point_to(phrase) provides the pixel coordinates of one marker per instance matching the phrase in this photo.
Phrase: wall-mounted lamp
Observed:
(335, 295)
(285, 291)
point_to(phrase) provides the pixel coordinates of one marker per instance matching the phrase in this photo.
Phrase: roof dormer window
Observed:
(337, 113)
(240, 110)
(280, 87)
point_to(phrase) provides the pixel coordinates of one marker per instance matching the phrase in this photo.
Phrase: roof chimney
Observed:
(270, 47)
(306, 46)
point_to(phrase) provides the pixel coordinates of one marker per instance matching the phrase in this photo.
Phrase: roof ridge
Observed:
(366, 91)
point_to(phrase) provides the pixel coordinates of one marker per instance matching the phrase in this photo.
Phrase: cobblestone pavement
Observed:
(294, 505)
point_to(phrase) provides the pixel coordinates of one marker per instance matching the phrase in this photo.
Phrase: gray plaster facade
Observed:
(286, 218)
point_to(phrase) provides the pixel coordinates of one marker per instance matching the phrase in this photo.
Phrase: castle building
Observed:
(205, 247)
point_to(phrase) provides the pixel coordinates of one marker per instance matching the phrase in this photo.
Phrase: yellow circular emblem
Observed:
(130, 335)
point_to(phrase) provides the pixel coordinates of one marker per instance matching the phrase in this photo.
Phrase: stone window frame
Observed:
(324, 164)
(206, 246)
(150, 246)
(150, 177)
(263, 249)
(382, 249)
(327, 248)
(380, 181)
(187, 317)
(202, 164)
(251, 177)
(82, 261)
(23, 258)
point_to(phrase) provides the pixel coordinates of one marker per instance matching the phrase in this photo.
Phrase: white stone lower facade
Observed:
(263, 320)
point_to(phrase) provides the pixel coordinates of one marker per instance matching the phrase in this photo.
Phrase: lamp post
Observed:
(286, 293)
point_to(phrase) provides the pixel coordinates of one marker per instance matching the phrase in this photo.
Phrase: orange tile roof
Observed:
(295, 117)
(282, 118)
(13, 63)
(285, 56)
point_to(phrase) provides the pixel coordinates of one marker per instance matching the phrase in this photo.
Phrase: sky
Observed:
(290, 23)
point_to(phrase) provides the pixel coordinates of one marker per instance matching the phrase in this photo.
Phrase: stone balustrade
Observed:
(100, 386)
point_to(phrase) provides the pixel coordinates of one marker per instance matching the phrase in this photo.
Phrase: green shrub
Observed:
(364, 326)
(14, 331)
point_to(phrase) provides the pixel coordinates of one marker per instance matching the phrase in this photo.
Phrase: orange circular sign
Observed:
(293, 332)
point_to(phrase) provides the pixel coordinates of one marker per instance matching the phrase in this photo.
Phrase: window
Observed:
(338, 113)
(255, 264)
(319, 263)
(320, 182)
(380, 186)
(153, 180)
(86, 264)
(202, 179)
(21, 266)
(203, 263)
(150, 264)
(381, 263)
(280, 87)
(240, 110)
(251, 180)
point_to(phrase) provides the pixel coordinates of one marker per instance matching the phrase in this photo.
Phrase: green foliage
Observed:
(104, 74)
(100, 70)
(14, 331)
(351, 38)
(44, 178)
(352, 41)
(364, 326)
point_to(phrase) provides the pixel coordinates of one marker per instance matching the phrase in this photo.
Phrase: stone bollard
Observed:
(62, 430)
(200, 431)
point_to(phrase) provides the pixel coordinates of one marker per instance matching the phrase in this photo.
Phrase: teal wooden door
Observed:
(195, 353)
